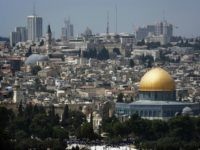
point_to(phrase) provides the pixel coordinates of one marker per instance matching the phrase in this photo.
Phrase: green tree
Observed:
(60, 133)
(120, 98)
(182, 127)
(20, 123)
(86, 132)
(29, 144)
(20, 135)
(91, 53)
(72, 120)
(103, 54)
(120, 129)
(141, 43)
(159, 129)
(53, 144)
(20, 109)
(5, 142)
(153, 45)
(116, 51)
(28, 111)
(131, 63)
(169, 143)
(35, 69)
(65, 116)
(29, 52)
(107, 125)
(40, 126)
(53, 118)
(75, 148)
(6, 116)
(41, 43)
(35, 109)
(38, 84)
(197, 127)
(76, 119)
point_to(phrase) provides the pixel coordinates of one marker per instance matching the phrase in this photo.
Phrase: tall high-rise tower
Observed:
(19, 35)
(34, 27)
(67, 30)
(22, 32)
(48, 39)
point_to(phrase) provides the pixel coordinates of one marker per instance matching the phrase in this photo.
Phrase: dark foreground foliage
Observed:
(181, 132)
(34, 128)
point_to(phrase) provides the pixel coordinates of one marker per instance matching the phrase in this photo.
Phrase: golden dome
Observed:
(157, 79)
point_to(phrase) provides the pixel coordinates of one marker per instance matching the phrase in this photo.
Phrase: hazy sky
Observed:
(92, 13)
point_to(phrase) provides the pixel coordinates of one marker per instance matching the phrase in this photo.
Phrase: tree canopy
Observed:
(101, 54)
(35, 128)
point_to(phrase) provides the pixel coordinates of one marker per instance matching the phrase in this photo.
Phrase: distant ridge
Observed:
(4, 39)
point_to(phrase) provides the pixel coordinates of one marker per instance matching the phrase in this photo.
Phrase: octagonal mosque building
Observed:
(157, 98)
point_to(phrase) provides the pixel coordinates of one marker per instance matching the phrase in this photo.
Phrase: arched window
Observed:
(141, 113)
(150, 113)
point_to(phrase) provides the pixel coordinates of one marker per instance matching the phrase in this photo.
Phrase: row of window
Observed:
(157, 96)
(147, 113)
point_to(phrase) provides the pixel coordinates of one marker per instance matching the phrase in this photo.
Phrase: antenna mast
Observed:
(34, 9)
(65, 22)
(116, 18)
(163, 15)
(107, 28)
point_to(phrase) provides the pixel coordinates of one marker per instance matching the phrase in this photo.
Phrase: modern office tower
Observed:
(141, 33)
(151, 29)
(14, 38)
(67, 31)
(34, 27)
(71, 31)
(19, 35)
(23, 33)
(161, 28)
(164, 28)
(170, 30)
(64, 33)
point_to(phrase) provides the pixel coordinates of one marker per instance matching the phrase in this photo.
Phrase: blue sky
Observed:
(92, 13)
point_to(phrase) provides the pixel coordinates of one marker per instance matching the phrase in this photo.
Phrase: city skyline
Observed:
(93, 14)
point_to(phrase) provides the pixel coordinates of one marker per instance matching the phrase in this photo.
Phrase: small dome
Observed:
(157, 79)
(187, 111)
(34, 58)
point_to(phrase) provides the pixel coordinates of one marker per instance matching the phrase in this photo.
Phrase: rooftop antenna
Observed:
(134, 28)
(54, 35)
(69, 19)
(65, 21)
(116, 18)
(107, 28)
(34, 9)
(163, 15)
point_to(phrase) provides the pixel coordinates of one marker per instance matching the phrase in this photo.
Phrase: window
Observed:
(150, 113)
(145, 113)
(154, 113)
(156, 96)
(141, 113)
